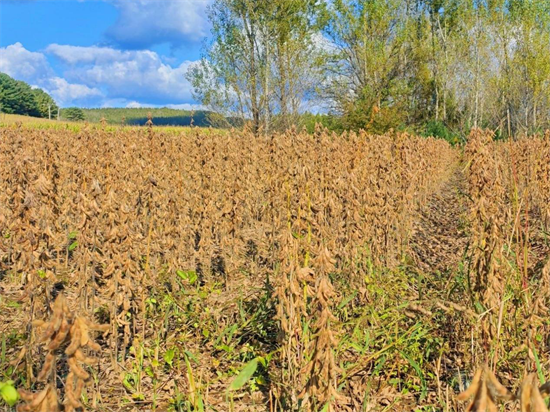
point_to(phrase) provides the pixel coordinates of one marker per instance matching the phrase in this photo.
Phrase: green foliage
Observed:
(361, 114)
(46, 105)
(189, 276)
(438, 129)
(161, 116)
(9, 393)
(17, 97)
(329, 121)
(73, 114)
(244, 375)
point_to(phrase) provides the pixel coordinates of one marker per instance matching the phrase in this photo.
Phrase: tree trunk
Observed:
(535, 113)
(283, 98)
(253, 70)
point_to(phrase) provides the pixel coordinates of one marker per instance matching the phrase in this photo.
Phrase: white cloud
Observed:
(183, 106)
(34, 68)
(132, 75)
(96, 76)
(135, 105)
(66, 93)
(143, 23)
(92, 54)
(186, 106)
(323, 44)
(16, 61)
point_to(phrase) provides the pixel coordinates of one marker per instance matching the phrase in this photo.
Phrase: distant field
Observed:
(40, 123)
(6, 119)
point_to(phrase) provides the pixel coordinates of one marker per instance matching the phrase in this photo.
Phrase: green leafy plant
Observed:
(8, 392)
(189, 276)
(244, 375)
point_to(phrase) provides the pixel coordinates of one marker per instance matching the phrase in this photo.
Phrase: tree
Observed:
(532, 18)
(296, 55)
(367, 68)
(228, 77)
(259, 54)
(473, 41)
(73, 114)
(46, 105)
(17, 97)
(427, 65)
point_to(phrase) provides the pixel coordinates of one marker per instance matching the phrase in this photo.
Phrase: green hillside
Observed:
(138, 116)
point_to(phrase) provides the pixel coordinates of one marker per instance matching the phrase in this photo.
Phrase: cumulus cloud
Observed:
(133, 75)
(186, 106)
(144, 23)
(64, 92)
(34, 68)
(183, 106)
(135, 105)
(16, 61)
(97, 76)
(91, 54)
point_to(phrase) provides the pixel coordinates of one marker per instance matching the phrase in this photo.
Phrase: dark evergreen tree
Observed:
(46, 105)
(73, 114)
(17, 97)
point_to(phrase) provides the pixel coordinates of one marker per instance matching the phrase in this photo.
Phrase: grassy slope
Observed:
(7, 119)
(138, 116)
(40, 123)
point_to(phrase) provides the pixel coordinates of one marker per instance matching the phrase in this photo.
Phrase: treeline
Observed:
(17, 97)
(435, 66)
(138, 116)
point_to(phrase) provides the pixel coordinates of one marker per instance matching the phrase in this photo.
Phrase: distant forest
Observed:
(161, 116)
(430, 66)
(17, 97)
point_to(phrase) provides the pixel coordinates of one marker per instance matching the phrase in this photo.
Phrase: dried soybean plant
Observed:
(295, 285)
(508, 252)
(487, 391)
(65, 338)
(530, 395)
(308, 340)
(116, 228)
(321, 372)
(44, 401)
(487, 218)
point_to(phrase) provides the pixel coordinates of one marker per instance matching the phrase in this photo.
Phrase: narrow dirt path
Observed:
(439, 238)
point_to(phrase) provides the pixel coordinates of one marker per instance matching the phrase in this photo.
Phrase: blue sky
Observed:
(104, 53)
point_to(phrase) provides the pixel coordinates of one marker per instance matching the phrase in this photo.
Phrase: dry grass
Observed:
(11, 119)
(28, 122)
